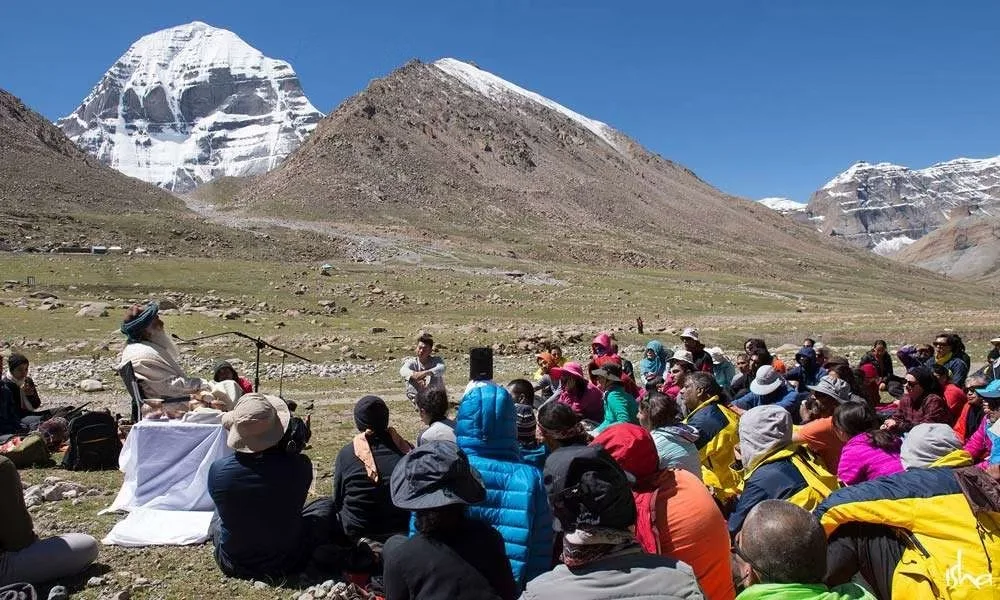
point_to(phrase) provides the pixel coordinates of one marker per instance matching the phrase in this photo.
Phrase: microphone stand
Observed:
(258, 343)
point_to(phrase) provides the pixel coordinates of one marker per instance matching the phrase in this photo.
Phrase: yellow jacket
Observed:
(952, 549)
(718, 438)
(819, 482)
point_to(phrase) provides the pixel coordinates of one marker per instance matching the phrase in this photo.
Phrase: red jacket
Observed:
(677, 516)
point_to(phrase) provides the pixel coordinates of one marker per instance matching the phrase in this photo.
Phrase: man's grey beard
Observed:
(160, 338)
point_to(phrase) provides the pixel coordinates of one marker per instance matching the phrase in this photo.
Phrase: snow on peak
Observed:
(892, 245)
(191, 103)
(782, 204)
(500, 90)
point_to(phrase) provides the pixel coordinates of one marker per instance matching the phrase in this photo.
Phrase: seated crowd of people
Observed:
(693, 476)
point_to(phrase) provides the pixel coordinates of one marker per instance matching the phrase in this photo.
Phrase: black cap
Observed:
(586, 487)
(435, 474)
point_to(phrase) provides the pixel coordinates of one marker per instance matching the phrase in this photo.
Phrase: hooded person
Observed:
(361, 503)
(653, 365)
(155, 360)
(601, 559)
(781, 554)
(577, 392)
(808, 371)
(933, 445)
(931, 531)
(261, 478)
(677, 516)
(451, 556)
(486, 430)
(774, 469)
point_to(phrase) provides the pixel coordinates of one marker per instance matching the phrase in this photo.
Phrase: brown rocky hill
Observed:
(967, 248)
(444, 151)
(53, 194)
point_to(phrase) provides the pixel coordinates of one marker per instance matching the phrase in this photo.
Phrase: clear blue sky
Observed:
(766, 98)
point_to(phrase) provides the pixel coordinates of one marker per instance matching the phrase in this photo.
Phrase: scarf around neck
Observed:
(363, 449)
(583, 546)
(25, 405)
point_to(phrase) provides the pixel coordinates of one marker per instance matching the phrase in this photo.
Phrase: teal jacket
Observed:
(619, 407)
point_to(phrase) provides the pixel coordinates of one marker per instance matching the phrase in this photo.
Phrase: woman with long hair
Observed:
(869, 451)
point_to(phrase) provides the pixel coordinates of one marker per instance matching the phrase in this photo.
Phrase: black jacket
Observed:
(364, 507)
(452, 567)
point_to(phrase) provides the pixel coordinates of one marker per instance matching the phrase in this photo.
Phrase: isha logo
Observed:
(957, 577)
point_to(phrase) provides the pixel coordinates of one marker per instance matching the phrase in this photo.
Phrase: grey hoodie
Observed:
(927, 443)
(763, 430)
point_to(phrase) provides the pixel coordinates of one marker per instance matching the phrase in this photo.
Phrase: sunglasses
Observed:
(941, 344)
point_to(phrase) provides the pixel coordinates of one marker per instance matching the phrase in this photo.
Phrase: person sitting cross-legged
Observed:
(780, 554)
(24, 557)
(452, 556)
(259, 493)
(361, 503)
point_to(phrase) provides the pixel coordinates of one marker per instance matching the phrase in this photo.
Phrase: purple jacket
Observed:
(979, 445)
(861, 461)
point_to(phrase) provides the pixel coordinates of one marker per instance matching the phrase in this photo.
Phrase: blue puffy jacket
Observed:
(515, 503)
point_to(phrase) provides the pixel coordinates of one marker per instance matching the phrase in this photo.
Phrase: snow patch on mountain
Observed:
(892, 245)
(501, 90)
(783, 205)
(192, 103)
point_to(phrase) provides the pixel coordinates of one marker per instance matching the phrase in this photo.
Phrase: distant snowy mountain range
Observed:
(783, 205)
(886, 207)
(191, 103)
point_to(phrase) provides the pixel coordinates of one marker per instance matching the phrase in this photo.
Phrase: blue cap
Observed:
(992, 389)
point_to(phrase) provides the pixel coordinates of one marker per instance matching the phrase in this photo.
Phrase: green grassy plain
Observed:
(463, 300)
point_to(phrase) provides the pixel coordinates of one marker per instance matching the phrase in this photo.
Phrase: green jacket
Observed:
(802, 591)
(619, 407)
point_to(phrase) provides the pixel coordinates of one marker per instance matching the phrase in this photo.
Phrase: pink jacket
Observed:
(862, 461)
(980, 445)
(589, 406)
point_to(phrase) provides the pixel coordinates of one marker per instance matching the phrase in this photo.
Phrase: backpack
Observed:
(93, 443)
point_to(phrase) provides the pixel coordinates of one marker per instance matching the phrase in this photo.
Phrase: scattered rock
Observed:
(260, 585)
(232, 313)
(378, 329)
(167, 304)
(91, 385)
(95, 582)
(42, 295)
(93, 309)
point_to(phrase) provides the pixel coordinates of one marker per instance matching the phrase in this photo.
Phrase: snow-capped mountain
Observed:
(885, 206)
(501, 90)
(192, 103)
(783, 205)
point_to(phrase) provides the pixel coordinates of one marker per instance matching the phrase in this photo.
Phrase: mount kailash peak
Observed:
(192, 103)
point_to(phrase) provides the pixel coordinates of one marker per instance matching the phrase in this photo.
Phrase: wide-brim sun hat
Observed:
(256, 423)
(570, 368)
(834, 387)
(433, 475)
(766, 381)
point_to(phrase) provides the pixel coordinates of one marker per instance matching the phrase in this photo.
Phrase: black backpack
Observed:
(93, 443)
